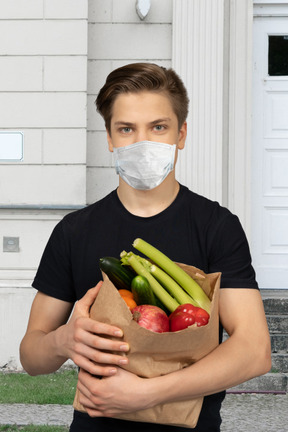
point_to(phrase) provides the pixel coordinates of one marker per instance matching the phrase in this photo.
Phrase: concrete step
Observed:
(280, 363)
(269, 383)
(279, 343)
(277, 324)
(276, 309)
(274, 293)
(276, 306)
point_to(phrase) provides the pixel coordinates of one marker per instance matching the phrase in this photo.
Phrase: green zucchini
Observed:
(142, 292)
(121, 276)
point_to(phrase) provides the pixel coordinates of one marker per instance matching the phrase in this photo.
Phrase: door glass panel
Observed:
(278, 55)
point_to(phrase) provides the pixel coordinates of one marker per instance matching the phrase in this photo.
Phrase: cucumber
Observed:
(121, 276)
(142, 292)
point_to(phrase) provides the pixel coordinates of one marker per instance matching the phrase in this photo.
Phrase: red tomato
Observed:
(186, 308)
(201, 317)
(180, 321)
(186, 315)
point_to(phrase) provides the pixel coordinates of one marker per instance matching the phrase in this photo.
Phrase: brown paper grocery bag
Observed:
(154, 354)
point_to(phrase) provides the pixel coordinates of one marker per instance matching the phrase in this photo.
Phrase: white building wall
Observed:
(43, 85)
(43, 94)
(52, 66)
(117, 36)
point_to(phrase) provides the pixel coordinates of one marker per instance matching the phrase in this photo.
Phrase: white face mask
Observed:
(144, 165)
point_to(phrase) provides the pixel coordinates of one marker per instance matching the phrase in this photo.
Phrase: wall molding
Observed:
(268, 9)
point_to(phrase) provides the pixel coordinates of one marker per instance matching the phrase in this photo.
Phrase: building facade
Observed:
(54, 57)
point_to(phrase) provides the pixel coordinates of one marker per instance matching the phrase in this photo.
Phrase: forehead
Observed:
(143, 105)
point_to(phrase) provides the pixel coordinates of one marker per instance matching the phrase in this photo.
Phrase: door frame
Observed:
(270, 258)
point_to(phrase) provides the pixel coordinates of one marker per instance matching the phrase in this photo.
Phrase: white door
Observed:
(269, 234)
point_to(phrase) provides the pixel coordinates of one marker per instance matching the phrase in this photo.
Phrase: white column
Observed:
(198, 55)
(240, 109)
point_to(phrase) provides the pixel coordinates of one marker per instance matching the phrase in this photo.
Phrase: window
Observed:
(278, 55)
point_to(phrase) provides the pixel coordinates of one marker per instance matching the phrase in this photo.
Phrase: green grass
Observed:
(31, 428)
(56, 388)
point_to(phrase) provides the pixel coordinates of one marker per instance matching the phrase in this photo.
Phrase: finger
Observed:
(94, 360)
(99, 369)
(105, 329)
(94, 368)
(87, 329)
(98, 328)
(87, 402)
(102, 343)
(85, 380)
(88, 299)
(95, 413)
(88, 386)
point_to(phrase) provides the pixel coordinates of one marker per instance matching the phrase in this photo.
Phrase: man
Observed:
(145, 108)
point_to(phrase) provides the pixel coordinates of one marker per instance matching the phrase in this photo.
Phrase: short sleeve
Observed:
(230, 254)
(54, 275)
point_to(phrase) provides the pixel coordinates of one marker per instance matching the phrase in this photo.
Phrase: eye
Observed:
(159, 128)
(126, 130)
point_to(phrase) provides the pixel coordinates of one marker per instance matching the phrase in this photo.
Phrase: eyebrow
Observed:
(160, 120)
(154, 122)
(123, 123)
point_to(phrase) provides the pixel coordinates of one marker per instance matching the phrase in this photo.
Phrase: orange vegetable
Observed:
(130, 302)
(127, 296)
(126, 293)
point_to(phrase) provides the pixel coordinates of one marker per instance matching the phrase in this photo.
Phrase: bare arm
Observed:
(38, 350)
(50, 340)
(244, 355)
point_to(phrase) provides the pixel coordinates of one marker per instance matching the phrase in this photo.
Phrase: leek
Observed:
(177, 273)
(170, 285)
(169, 302)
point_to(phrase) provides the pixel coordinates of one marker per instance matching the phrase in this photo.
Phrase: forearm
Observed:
(230, 364)
(42, 353)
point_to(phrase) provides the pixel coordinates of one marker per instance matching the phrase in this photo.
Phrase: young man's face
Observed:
(144, 116)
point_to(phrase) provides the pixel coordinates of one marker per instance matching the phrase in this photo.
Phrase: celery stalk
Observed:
(178, 274)
(170, 285)
(169, 302)
(125, 257)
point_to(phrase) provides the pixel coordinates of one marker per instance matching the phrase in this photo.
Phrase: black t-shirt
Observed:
(192, 230)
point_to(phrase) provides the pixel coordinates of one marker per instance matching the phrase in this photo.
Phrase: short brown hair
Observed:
(138, 77)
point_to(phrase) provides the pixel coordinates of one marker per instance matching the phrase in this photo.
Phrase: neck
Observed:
(151, 202)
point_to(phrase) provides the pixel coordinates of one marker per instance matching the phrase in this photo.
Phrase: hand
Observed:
(84, 341)
(108, 397)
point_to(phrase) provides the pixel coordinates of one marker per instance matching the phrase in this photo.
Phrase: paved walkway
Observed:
(240, 412)
(22, 414)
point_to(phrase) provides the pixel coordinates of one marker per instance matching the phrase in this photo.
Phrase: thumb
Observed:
(88, 299)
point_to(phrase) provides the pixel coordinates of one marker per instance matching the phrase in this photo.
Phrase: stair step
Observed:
(271, 382)
(277, 323)
(280, 363)
(277, 306)
(279, 343)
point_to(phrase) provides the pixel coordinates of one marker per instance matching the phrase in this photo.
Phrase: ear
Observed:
(182, 136)
(109, 140)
